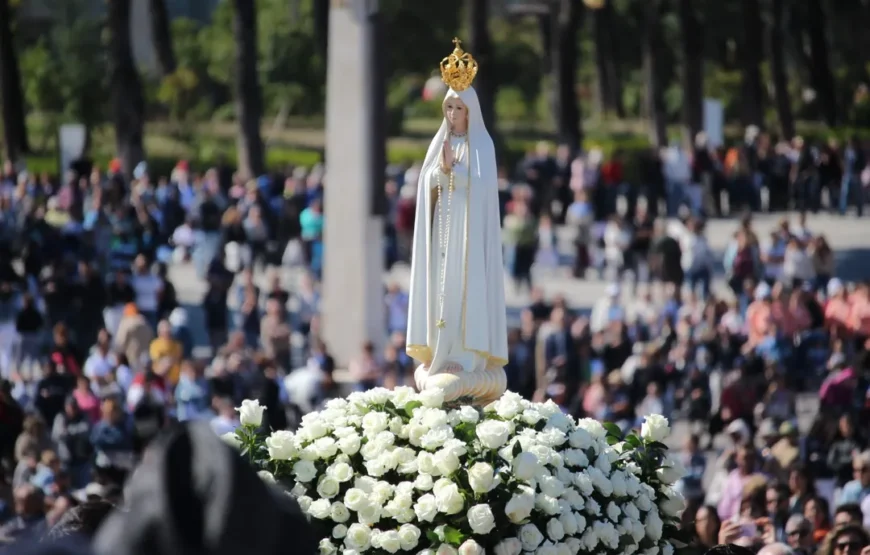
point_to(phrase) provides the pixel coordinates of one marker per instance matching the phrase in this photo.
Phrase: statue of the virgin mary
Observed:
(457, 327)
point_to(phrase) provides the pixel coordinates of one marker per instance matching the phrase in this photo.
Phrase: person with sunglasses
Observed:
(847, 540)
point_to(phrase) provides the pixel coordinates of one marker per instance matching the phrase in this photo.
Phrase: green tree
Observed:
(14, 128)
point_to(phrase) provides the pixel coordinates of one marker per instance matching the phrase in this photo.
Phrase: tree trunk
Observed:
(823, 78)
(481, 48)
(249, 104)
(321, 26)
(751, 54)
(692, 45)
(161, 33)
(566, 22)
(609, 82)
(545, 29)
(128, 103)
(14, 125)
(652, 73)
(778, 69)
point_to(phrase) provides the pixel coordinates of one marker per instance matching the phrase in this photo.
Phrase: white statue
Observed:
(457, 327)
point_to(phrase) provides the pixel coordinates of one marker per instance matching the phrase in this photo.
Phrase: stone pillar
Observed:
(353, 288)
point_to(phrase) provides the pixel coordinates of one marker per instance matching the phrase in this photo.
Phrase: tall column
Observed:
(353, 288)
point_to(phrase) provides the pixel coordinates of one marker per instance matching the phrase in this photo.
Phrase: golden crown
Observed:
(458, 69)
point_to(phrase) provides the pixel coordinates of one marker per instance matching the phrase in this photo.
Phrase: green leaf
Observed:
(632, 440)
(432, 536)
(657, 445)
(540, 425)
(518, 448)
(409, 408)
(453, 536)
(612, 440)
(612, 429)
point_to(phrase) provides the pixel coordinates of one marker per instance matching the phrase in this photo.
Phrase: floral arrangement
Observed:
(398, 471)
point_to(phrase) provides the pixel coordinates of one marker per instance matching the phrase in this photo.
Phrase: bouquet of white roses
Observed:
(397, 471)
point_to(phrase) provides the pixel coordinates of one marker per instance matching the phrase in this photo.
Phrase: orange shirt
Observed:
(837, 312)
(859, 316)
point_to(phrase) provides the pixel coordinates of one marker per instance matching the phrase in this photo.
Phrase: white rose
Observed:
(480, 519)
(375, 422)
(389, 541)
(409, 536)
(651, 551)
(281, 445)
(549, 505)
(509, 546)
(667, 549)
(673, 504)
(338, 512)
(327, 487)
(326, 548)
(574, 545)
(425, 508)
(525, 466)
(232, 440)
(251, 413)
(446, 549)
(470, 547)
(655, 428)
(643, 502)
(481, 477)
(382, 491)
(355, 498)
(580, 439)
(319, 509)
(671, 471)
(426, 552)
(563, 549)
(446, 461)
(312, 428)
(402, 395)
(365, 483)
(492, 433)
(593, 508)
(631, 511)
(547, 549)
(350, 444)
(423, 482)
(653, 526)
(431, 398)
(552, 437)
(552, 486)
(369, 513)
(359, 537)
(425, 463)
(613, 512)
(298, 490)
(341, 472)
(436, 437)
(530, 537)
(581, 522)
(377, 467)
(266, 476)
(448, 499)
(555, 530)
(304, 471)
(569, 523)
(339, 531)
(433, 418)
(456, 446)
(468, 414)
(520, 505)
(510, 405)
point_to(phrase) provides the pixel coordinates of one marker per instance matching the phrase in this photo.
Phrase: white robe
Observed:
(475, 330)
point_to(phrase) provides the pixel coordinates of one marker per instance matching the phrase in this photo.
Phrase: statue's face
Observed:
(457, 114)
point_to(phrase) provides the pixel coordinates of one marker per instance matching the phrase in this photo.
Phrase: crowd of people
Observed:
(98, 354)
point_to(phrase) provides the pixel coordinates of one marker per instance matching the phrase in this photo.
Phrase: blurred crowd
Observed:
(98, 353)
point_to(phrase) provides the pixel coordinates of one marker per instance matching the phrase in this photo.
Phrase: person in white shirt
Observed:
(797, 266)
(678, 174)
(801, 232)
(697, 259)
(607, 310)
(617, 239)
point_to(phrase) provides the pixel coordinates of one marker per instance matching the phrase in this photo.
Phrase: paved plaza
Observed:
(849, 236)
